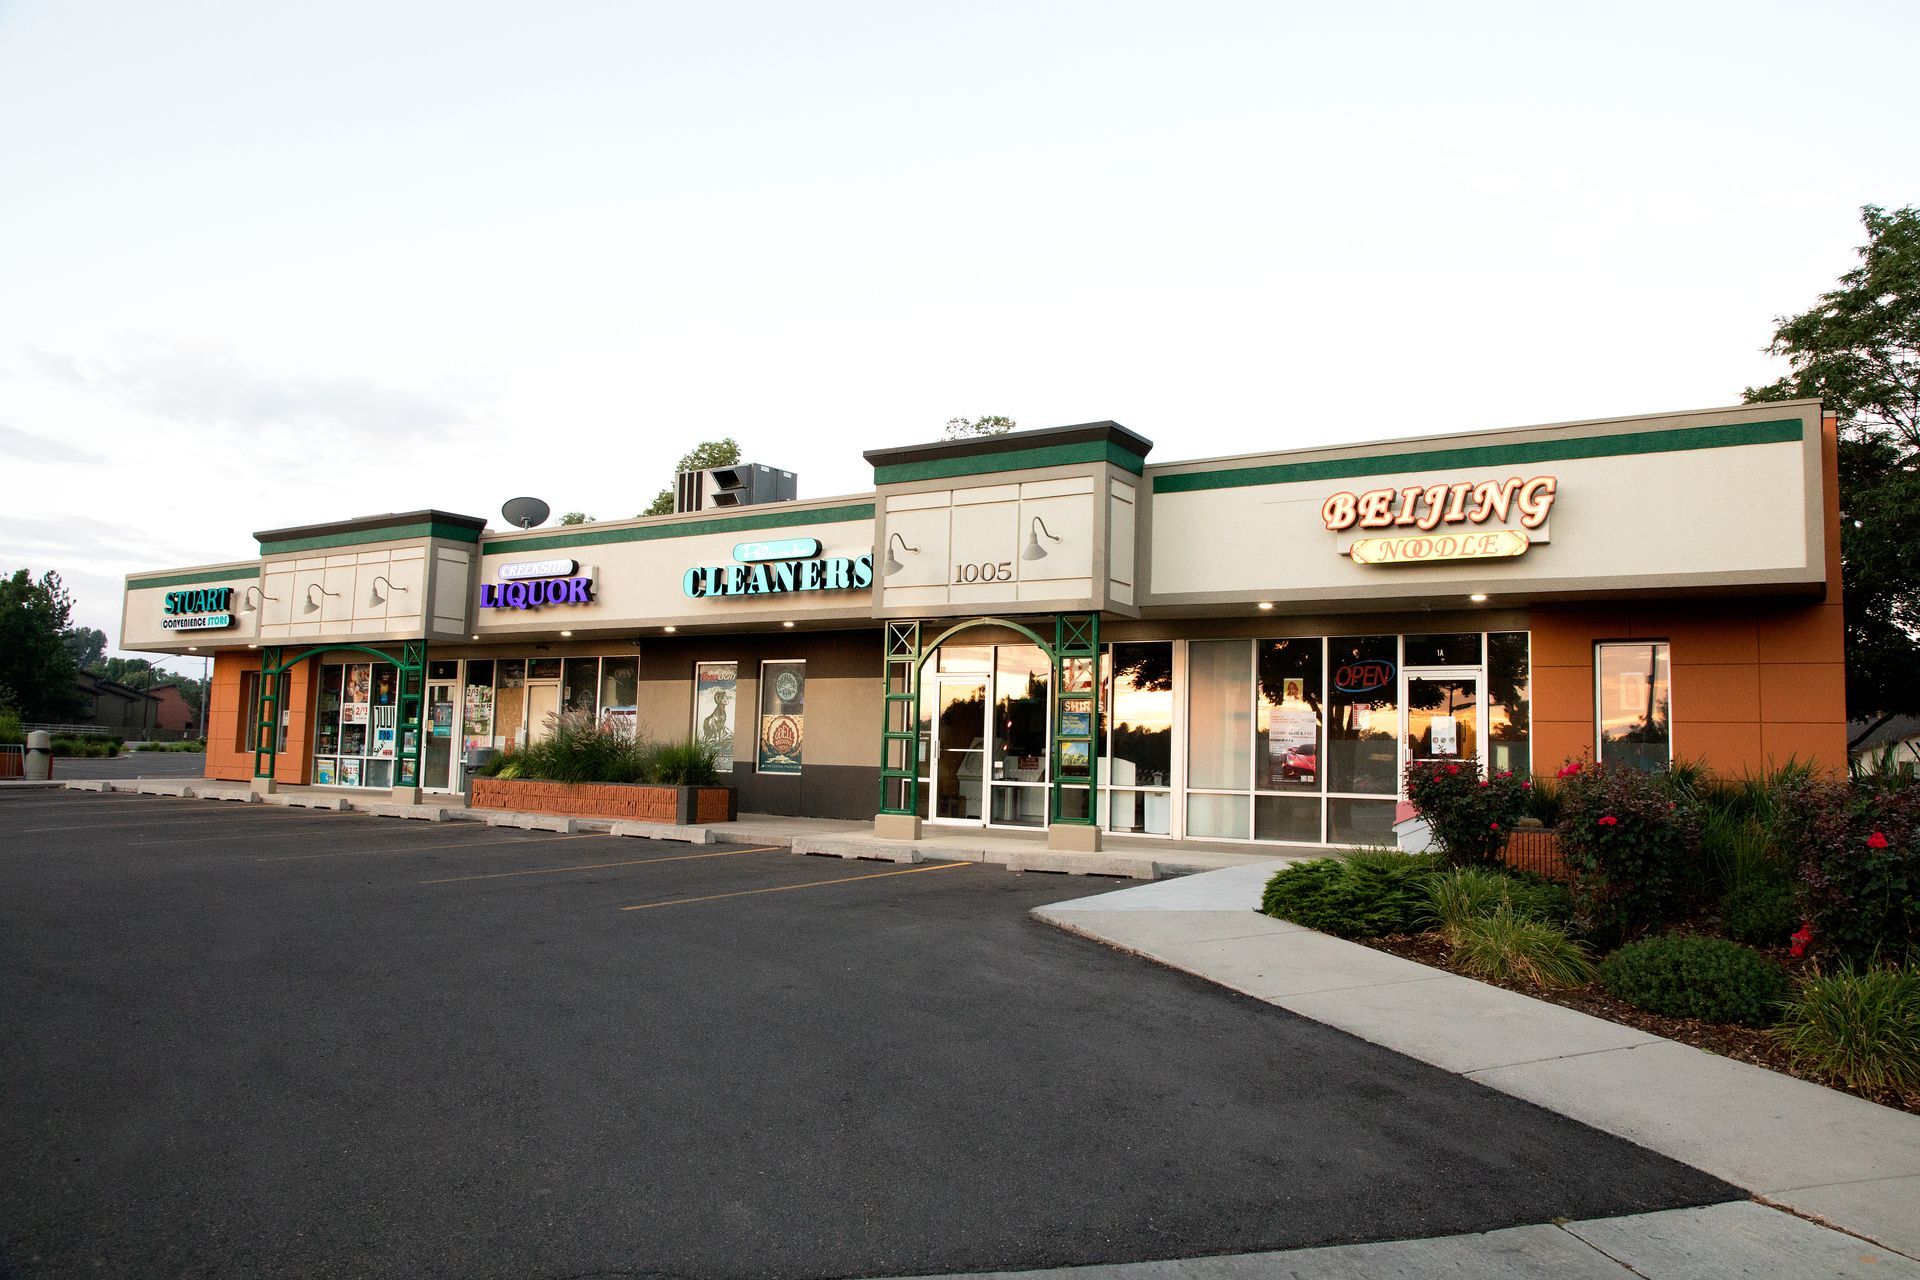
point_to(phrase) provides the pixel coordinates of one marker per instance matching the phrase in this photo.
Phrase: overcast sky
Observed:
(267, 263)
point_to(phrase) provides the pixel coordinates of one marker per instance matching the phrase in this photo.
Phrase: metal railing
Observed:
(1536, 852)
(78, 730)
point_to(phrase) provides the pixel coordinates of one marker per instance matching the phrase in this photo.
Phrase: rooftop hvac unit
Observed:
(744, 484)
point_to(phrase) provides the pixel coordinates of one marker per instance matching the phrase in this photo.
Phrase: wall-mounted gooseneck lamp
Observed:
(1034, 550)
(374, 598)
(250, 602)
(893, 564)
(312, 605)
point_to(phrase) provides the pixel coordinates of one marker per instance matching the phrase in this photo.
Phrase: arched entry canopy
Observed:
(412, 664)
(1073, 734)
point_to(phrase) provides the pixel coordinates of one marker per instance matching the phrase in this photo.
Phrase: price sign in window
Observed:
(783, 704)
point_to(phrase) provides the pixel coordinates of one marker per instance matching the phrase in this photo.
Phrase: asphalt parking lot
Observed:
(248, 1041)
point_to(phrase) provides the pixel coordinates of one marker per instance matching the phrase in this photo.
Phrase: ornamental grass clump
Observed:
(1465, 894)
(1859, 847)
(1860, 1027)
(1471, 815)
(1367, 893)
(1695, 976)
(1628, 838)
(1507, 946)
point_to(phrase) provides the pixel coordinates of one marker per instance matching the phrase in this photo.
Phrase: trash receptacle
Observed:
(39, 756)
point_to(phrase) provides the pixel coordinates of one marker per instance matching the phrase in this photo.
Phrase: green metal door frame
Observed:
(412, 664)
(1075, 655)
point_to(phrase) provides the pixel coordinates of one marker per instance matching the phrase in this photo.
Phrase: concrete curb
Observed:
(855, 850)
(664, 831)
(1822, 1154)
(534, 822)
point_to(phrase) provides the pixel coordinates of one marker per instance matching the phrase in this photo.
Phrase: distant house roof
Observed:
(1898, 729)
(97, 685)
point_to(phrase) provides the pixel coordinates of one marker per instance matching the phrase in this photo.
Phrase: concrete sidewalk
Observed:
(1738, 1239)
(1823, 1154)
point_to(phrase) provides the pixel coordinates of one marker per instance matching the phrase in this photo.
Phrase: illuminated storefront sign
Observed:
(207, 609)
(1364, 676)
(1430, 548)
(765, 577)
(534, 584)
(1426, 507)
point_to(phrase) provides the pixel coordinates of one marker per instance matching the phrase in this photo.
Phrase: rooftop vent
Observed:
(744, 484)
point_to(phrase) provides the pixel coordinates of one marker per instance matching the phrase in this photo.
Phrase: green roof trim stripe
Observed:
(192, 579)
(688, 529)
(359, 537)
(1013, 460)
(1678, 440)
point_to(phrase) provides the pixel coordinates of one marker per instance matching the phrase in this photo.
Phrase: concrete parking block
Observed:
(298, 800)
(864, 850)
(533, 822)
(165, 789)
(664, 831)
(422, 812)
(1737, 1239)
(1083, 864)
(89, 786)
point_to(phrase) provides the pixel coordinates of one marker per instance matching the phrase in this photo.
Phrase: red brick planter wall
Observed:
(621, 802)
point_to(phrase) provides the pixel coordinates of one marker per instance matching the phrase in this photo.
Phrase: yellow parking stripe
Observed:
(597, 866)
(783, 888)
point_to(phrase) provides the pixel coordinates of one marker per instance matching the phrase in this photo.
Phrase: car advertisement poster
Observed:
(715, 685)
(1293, 738)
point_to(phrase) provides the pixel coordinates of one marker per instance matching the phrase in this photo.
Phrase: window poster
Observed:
(323, 772)
(350, 773)
(1076, 720)
(1073, 759)
(477, 723)
(783, 701)
(1445, 740)
(715, 685)
(383, 726)
(353, 709)
(406, 771)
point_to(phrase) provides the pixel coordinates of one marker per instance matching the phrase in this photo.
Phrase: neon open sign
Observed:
(1363, 677)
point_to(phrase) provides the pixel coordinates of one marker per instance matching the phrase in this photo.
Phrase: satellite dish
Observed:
(524, 513)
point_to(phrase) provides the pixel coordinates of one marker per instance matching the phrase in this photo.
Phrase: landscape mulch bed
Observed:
(1745, 1044)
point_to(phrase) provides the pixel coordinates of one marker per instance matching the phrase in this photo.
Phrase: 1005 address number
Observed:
(985, 571)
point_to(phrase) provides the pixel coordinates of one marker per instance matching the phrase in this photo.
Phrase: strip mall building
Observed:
(1045, 629)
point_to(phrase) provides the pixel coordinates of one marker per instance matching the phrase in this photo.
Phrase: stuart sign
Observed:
(775, 568)
(207, 609)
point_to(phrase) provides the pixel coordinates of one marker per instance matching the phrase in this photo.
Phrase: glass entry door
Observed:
(1443, 714)
(959, 748)
(441, 731)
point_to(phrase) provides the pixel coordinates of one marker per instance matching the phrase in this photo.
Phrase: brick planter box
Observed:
(618, 801)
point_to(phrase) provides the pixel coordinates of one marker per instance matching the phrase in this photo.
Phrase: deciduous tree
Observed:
(724, 452)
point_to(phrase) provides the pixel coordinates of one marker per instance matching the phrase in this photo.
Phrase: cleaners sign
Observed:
(775, 568)
(535, 584)
(207, 609)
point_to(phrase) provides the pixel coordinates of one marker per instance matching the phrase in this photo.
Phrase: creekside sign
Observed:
(207, 609)
(535, 584)
(765, 570)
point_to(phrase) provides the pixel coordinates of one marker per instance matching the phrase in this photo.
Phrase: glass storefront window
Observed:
(1220, 715)
(1360, 822)
(1633, 688)
(1136, 689)
(1287, 727)
(1462, 650)
(356, 725)
(1295, 818)
(1022, 674)
(1363, 715)
(510, 704)
(620, 694)
(1509, 703)
(783, 700)
(956, 658)
(580, 686)
(476, 712)
(1217, 817)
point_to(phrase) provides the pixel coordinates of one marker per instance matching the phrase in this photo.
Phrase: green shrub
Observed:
(88, 748)
(1367, 893)
(582, 749)
(1471, 816)
(1862, 1027)
(12, 733)
(1694, 976)
(1628, 838)
(1543, 800)
(1760, 913)
(1860, 867)
(1468, 893)
(1509, 946)
(684, 764)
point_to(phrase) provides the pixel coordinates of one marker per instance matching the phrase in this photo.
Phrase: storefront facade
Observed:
(1046, 630)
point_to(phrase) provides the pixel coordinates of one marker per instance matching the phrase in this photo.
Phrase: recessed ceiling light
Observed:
(476, 637)
(1478, 597)
(669, 630)
(565, 634)
(194, 648)
(253, 646)
(788, 623)
(1266, 604)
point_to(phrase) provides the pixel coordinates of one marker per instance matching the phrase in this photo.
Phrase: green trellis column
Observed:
(413, 679)
(1076, 732)
(899, 808)
(266, 718)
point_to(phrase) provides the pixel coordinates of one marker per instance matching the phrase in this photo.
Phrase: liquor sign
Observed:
(1435, 548)
(1426, 507)
(205, 609)
(533, 584)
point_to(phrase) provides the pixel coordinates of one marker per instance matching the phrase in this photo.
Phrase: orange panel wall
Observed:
(1755, 682)
(227, 754)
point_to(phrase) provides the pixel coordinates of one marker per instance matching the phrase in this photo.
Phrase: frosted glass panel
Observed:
(1220, 714)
